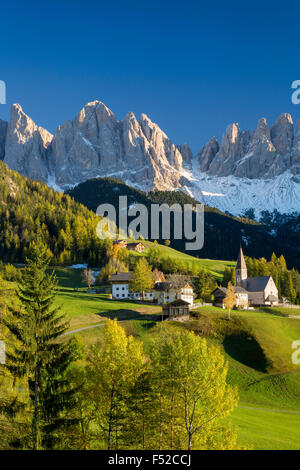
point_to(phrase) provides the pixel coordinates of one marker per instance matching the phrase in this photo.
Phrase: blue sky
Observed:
(192, 67)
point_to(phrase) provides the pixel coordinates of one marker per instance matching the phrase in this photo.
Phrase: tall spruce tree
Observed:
(38, 356)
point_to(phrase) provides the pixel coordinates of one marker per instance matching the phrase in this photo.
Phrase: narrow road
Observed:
(94, 326)
(82, 329)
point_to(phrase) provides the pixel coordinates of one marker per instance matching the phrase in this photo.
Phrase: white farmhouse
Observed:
(162, 292)
(120, 285)
(165, 293)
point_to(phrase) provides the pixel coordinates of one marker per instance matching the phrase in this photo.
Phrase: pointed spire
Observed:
(241, 263)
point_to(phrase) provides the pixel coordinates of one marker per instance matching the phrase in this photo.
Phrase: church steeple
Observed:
(241, 270)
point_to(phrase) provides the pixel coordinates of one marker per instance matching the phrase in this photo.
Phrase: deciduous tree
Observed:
(230, 298)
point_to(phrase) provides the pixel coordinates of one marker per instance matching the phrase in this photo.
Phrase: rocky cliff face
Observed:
(295, 157)
(26, 145)
(186, 152)
(208, 153)
(264, 154)
(96, 144)
(93, 144)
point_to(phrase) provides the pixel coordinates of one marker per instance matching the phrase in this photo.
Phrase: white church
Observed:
(254, 291)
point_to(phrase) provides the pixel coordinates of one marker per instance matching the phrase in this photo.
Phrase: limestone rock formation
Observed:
(96, 144)
(232, 149)
(186, 152)
(265, 154)
(295, 156)
(26, 145)
(208, 153)
(260, 153)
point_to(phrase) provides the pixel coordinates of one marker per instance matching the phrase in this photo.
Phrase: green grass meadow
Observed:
(257, 345)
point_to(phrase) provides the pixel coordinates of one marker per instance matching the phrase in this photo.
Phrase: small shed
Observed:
(176, 310)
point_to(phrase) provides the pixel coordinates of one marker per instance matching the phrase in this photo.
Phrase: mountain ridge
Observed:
(227, 175)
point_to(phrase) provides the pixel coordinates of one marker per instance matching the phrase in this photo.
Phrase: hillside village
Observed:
(249, 291)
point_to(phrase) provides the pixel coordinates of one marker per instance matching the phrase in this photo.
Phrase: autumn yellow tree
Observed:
(114, 368)
(192, 378)
(230, 299)
(142, 280)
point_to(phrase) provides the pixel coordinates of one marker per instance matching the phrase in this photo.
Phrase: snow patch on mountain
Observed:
(238, 194)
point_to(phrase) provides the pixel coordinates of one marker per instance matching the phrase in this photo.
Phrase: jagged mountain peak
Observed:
(26, 145)
(93, 144)
(24, 127)
(267, 152)
(137, 151)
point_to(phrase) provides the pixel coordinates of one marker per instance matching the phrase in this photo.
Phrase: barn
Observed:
(177, 310)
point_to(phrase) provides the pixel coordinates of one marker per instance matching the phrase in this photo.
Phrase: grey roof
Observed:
(222, 289)
(241, 263)
(163, 286)
(257, 284)
(240, 290)
(121, 277)
(237, 289)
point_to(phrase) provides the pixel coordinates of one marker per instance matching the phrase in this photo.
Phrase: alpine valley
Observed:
(259, 170)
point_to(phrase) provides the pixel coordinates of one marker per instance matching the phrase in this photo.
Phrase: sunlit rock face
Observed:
(26, 145)
(266, 153)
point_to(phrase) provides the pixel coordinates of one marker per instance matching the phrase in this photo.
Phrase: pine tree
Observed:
(229, 275)
(38, 356)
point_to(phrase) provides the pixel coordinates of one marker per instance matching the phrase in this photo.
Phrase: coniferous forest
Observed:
(31, 211)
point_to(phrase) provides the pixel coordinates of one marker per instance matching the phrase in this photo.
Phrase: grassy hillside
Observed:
(267, 430)
(216, 267)
(256, 344)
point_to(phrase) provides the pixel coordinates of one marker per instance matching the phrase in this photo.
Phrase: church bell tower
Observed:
(241, 270)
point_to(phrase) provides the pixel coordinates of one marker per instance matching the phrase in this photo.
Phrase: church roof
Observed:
(257, 284)
(223, 290)
(241, 263)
